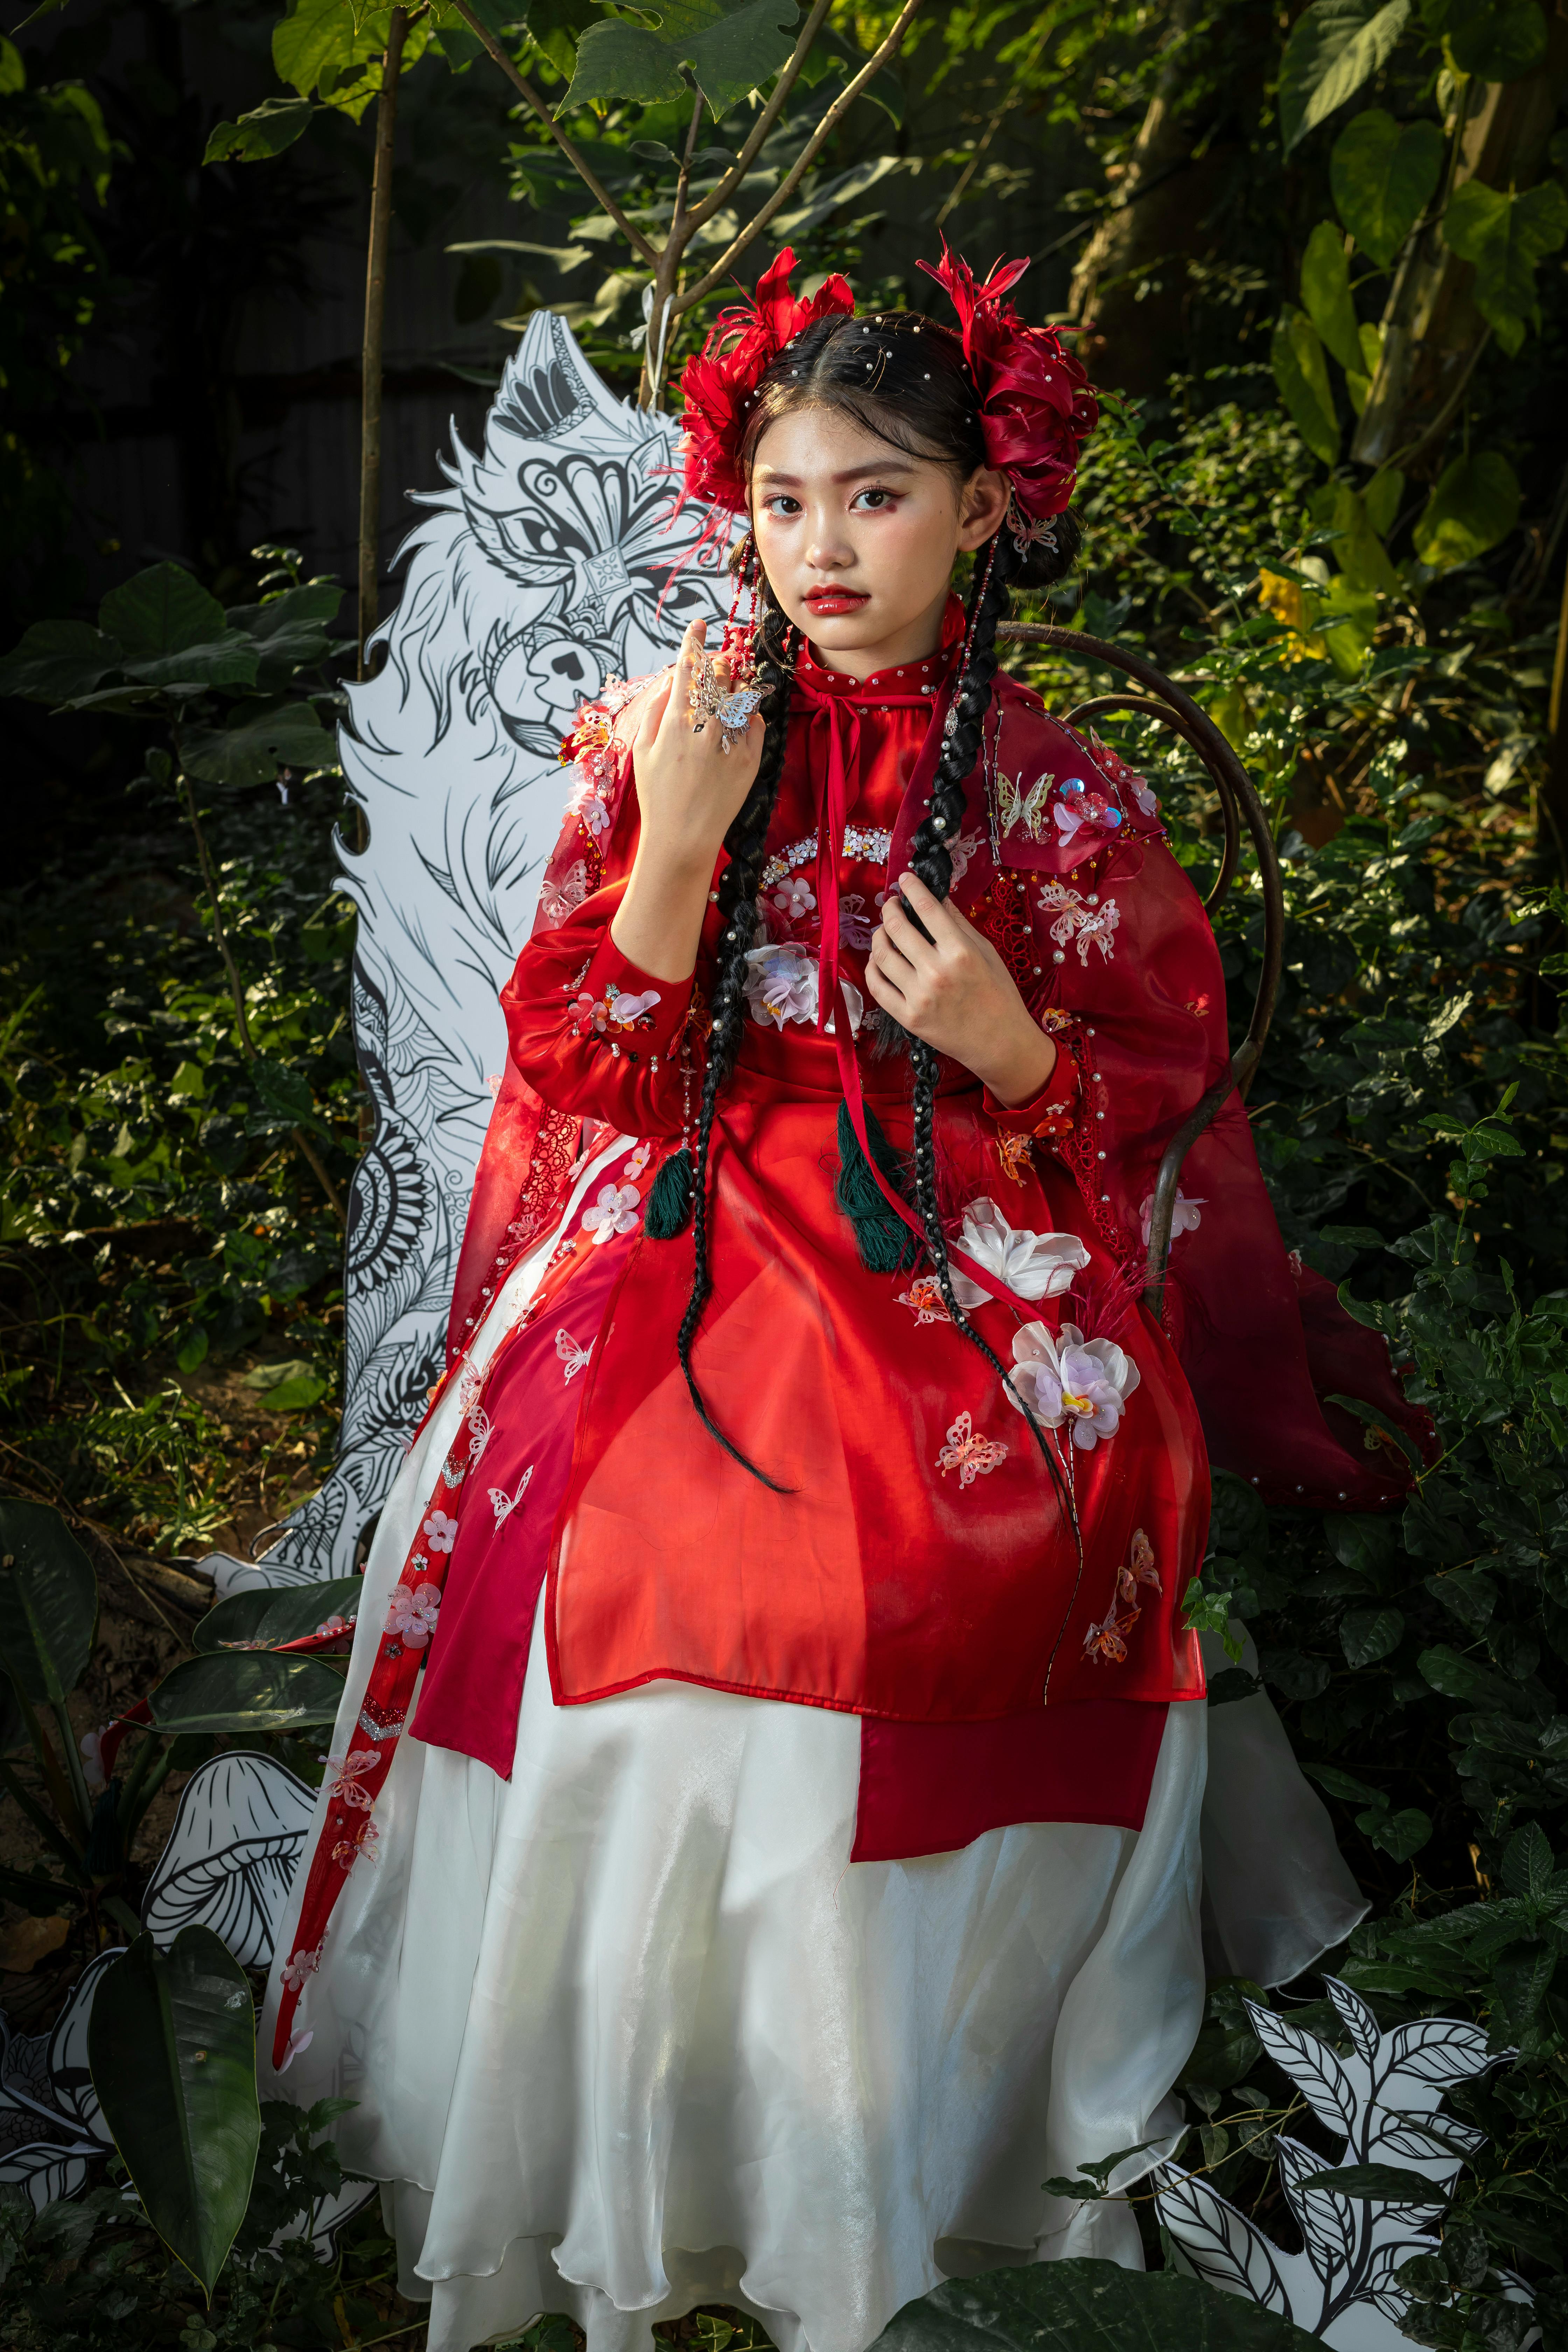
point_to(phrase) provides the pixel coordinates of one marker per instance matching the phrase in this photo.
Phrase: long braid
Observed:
(929, 858)
(746, 841)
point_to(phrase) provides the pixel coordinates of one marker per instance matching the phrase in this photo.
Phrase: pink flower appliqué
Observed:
(615, 1212)
(627, 1006)
(440, 1532)
(972, 1457)
(1072, 1382)
(411, 1613)
(299, 1967)
(794, 898)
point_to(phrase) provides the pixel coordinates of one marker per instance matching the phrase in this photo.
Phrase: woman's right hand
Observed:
(690, 790)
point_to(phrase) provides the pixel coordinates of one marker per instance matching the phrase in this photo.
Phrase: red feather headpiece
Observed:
(1036, 407)
(1036, 410)
(719, 382)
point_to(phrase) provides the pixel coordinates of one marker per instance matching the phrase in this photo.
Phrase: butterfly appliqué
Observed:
(573, 1358)
(1024, 810)
(972, 1457)
(504, 1504)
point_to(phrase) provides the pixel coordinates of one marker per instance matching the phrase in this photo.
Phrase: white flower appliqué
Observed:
(781, 985)
(1032, 1266)
(1072, 1381)
(440, 1531)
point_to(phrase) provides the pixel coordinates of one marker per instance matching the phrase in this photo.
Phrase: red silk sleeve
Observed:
(593, 1034)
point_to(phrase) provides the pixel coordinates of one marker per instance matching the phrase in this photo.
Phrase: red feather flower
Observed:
(719, 380)
(1036, 410)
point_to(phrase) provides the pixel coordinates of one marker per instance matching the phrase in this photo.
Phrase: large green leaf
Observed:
(247, 1691)
(286, 1614)
(1496, 40)
(731, 46)
(229, 660)
(282, 735)
(323, 37)
(48, 1601)
(1505, 235)
(1474, 504)
(1092, 2306)
(57, 660)
(1383, 173)
(266, 130)
(1303, 375)
(1334, 47)
(172, 2045)
(161, 611)
(1326, 292)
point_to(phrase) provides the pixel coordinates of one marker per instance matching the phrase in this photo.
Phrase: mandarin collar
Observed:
(911, 683)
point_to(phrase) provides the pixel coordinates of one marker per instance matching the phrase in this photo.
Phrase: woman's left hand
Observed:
(954, 992)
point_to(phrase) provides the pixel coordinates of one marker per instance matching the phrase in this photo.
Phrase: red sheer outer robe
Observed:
(919, 1568)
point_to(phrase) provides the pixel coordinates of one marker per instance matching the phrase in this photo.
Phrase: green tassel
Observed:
(669, 1198)
(885, 1242)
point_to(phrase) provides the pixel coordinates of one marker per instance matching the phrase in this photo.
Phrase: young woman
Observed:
(795, 1856)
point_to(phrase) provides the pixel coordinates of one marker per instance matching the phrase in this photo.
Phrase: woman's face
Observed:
(859, 539)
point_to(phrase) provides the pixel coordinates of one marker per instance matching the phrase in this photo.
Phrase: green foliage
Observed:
(1506, 235)
(56, 158)
(1383, 175)
(277, 1615)
(730, 46)
(1334, 46)
(93, 2276)
(1095, 2306)
(246, 1692)
(1326, 292)
(1297, 357)
(1473, 506)
(172, 2044)
(48, 1603)
(1496, 40)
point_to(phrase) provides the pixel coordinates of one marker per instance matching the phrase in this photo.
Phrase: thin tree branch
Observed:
(786, 188)
(374, 335)
(678, 218)
(721, 195)
(573, 155)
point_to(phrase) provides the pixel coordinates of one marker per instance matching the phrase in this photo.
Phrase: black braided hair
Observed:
(904, 378)
(746, 841)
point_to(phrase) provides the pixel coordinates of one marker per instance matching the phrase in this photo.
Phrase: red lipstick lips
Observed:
(835, 600)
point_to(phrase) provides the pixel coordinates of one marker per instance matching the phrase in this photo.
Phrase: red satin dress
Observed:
(918, 1568)
(1012, 1653)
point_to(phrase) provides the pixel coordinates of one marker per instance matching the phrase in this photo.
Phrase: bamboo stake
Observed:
(374, 328)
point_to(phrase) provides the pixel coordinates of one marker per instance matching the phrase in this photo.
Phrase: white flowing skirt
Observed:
(627, 2032)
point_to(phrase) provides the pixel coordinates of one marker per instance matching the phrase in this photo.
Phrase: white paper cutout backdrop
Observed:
(1382, 2101)
(538, 571)
(238, 1834)
(50, 2128)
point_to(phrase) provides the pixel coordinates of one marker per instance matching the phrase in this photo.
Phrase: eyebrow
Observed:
(854, 474)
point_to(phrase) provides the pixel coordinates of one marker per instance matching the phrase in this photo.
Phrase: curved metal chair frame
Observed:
(1165, 701)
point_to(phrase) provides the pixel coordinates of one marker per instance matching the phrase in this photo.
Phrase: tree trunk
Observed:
(1433, 332)
(375, 324)
(1133, 232)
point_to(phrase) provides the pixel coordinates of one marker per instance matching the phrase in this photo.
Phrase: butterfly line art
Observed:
(972, 1457)
(573, 1358)
(504, 1504)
